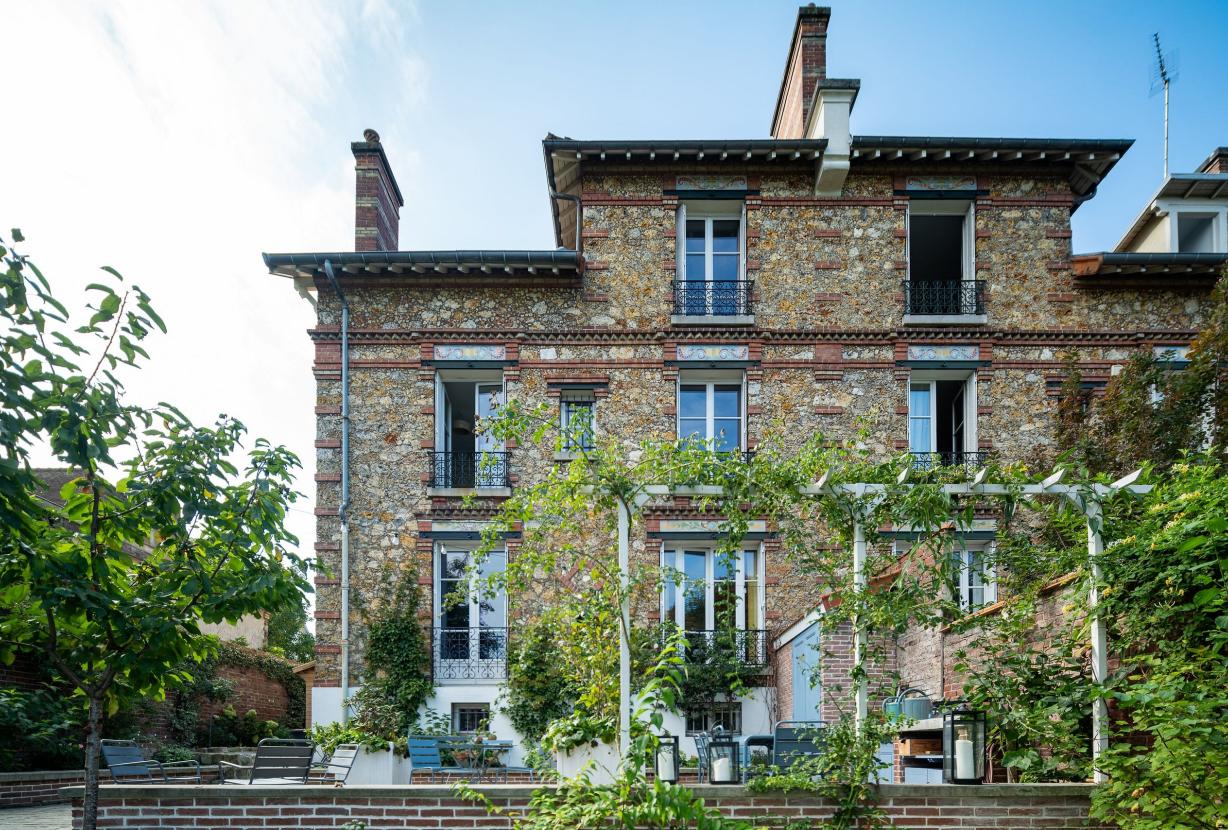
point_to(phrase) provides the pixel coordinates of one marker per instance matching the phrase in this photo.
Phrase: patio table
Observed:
(475, 755)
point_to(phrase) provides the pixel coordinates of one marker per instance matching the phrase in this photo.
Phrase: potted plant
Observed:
(584, 745)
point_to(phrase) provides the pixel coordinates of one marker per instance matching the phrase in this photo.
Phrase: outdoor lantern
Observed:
(724, 761)
(963, 745)
(666, 766)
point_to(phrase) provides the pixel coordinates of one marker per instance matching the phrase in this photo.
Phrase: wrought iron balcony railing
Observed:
(748, 647)
(970, 461)
(720, 298)
(469, 653)
(469, 469)
(945, 297)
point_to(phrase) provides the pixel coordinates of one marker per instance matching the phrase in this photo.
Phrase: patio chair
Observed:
(334, 769)
(277, 761)
(126, 760)
(424, 755)
(797, 739)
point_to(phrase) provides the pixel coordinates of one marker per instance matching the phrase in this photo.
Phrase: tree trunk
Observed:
(93, 749)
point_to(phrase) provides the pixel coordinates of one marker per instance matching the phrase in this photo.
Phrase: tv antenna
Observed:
(1163, 74)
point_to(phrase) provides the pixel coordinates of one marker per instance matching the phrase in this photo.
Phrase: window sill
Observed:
(460, 492)
(712, 319)
(568, 456)
(946, 319)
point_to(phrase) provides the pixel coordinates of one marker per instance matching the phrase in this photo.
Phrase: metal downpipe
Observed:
(343, 508)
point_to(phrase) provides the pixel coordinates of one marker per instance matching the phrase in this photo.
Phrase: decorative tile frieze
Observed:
(944, 353)
(711, 182)
(688, 351)
(932, 183)
(449, 351)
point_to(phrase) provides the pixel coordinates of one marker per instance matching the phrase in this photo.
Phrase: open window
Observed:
(470, 623)
(466, 457)
(710, 277)
(941, 260)
(716, 599)
(942, 419)
(711, 409)
(973, 577)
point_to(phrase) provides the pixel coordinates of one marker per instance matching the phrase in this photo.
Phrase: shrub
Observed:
(40, 730)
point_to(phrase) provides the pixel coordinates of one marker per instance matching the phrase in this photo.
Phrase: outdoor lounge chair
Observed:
(701, 755)
(126, 760)
(278, 761)
(336, 768)
(424, 755)
(797, 739)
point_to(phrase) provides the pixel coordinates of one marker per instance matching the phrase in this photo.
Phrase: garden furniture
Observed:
(277, 761)
(127, 760)
(336, 768)
(424, 754)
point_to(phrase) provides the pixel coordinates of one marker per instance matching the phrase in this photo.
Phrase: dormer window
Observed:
(1196, 233)
(710, 278)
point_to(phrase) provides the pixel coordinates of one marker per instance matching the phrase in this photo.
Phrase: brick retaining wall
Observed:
(910, 806)
(31, 789)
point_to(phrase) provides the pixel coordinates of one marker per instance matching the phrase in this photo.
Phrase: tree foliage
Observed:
(160, 531)
(288, 635)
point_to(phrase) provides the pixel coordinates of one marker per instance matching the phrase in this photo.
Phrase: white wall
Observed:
(488, 693)
(326, 704)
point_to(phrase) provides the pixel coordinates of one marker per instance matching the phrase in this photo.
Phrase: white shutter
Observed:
(680, 244)
(742, 245)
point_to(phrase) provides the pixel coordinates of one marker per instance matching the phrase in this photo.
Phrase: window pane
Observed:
(692, 401)
(695, 235)
(696, 602)
(728, 434)
(725, 401)
(724, 267)
(750, 580)
(669, 591)
(696, 269)
(692, 428)
(725, 235)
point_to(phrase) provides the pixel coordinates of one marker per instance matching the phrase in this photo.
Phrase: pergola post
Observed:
(1100, 652)
(624, 615)
(859, 632)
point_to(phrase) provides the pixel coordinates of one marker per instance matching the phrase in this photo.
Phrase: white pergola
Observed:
(1087, 498)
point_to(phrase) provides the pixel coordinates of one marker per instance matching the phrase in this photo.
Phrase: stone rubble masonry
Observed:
(907, 806)
(825, 347)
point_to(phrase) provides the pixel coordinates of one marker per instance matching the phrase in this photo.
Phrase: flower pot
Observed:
(380, 767)
(601, 761)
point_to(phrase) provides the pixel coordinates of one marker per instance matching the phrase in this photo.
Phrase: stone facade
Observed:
(829, 349)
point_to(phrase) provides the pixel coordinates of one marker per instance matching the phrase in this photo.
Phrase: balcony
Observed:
(930, 302)
(747, 647)
(970, 461)
(721, 302)
(469, 654)
(469, 471)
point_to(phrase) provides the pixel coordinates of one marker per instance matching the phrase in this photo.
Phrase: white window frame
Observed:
(708, 717)
(1175, 207)
(443, 412)
(679, 550)
(711, 379)
(946, 207)
(573, 396)
(929, 378)
(708, 211)
(963, 579)
(473, 576)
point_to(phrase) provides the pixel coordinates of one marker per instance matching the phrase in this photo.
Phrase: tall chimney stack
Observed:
(377, 199)
(806, 66)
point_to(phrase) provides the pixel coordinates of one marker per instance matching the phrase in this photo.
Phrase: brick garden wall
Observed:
(1052, 806)
(30, 789)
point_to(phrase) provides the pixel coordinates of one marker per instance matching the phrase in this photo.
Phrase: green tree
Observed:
(160, 532)
(288, 634)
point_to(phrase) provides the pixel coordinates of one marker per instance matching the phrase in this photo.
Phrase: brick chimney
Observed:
(1217, 162)
(806, 66)
(377, 199)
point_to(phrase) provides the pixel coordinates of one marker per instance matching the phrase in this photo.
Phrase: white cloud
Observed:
(176, 141)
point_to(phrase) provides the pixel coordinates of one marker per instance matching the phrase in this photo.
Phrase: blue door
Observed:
(807, 693)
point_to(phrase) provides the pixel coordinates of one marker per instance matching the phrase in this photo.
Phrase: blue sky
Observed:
(501, 75)
(176, 141)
